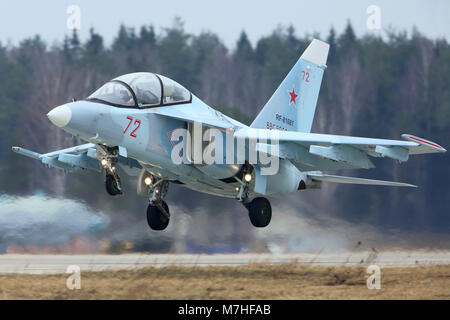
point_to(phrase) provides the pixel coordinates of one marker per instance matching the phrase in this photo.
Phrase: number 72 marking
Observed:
(137, 124)
(305, 74)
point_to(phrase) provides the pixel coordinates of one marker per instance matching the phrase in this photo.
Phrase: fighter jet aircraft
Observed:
(155, 129)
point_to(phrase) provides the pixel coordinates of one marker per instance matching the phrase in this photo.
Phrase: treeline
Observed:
(374, 87)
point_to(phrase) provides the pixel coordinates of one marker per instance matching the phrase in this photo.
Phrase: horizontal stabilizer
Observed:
(352, 180)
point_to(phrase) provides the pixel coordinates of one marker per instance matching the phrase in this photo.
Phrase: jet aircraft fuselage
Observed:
(153, 128)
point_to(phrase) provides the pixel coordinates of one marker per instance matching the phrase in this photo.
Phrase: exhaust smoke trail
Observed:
(44, 221)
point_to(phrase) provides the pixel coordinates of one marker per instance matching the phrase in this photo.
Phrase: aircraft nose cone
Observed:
(60, 116)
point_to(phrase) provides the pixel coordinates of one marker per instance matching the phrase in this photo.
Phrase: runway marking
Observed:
(37, 264)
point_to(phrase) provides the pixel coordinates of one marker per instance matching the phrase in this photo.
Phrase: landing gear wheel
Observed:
(111, 185)
(156, 218)
(260, 212)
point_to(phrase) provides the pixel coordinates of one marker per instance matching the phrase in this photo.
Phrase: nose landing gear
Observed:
(112, 185)
(108, 158)
(112, 179)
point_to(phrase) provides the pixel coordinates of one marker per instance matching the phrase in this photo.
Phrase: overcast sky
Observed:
(20, 19)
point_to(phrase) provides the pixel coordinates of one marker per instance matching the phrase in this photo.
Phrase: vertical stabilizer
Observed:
(293, 104)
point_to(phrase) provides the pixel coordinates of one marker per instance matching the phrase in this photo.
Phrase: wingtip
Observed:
(424, 142)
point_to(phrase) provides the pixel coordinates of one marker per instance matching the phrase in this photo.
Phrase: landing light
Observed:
(248, 177)
(104, 162)
(148, 181)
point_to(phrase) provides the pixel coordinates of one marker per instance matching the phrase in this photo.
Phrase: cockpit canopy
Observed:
(141, 90)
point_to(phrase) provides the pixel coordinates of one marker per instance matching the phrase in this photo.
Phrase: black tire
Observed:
(111, 186)
(260, 212)
(156, 218)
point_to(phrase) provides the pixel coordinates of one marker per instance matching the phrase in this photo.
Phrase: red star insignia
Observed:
(293, 96)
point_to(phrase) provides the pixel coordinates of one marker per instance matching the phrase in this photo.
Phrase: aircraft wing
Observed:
(79, 157)
(312, 151)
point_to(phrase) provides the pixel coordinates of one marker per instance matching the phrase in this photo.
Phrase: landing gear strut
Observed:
(158, 214)
(112, 179)
(259, 209)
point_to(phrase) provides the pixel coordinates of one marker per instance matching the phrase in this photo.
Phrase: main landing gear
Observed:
(259, 212)
(158, 214)
(259, 209)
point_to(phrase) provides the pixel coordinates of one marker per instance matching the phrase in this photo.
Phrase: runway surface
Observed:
(53, 264)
